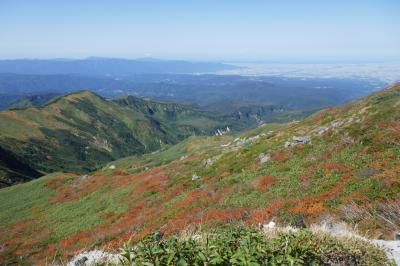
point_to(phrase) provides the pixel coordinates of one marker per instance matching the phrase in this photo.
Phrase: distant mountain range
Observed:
(214, 91)
(31, 100)
(97, 66)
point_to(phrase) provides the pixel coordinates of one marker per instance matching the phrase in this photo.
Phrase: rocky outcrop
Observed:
(296, 140)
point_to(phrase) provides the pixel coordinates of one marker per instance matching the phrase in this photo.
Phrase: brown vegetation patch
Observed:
(281, 156)
(264, 214)
(262, 183)
(308, 173)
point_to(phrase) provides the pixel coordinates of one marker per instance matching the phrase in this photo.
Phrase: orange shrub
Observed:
(263, 182)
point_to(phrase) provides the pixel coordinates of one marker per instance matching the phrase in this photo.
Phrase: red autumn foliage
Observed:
(120, 172)
(223, 215)
(314, 204)
(264, 214)
(328, 167)
(263, 182)
(281, 156)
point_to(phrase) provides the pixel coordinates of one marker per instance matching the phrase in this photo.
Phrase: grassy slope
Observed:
(81, 131)
(347, 171)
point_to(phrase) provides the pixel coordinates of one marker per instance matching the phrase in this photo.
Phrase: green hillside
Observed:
(340, 162)
(81, 131)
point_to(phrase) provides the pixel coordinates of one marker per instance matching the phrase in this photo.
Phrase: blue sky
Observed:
(230, 30)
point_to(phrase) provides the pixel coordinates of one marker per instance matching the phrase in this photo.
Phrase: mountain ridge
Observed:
(81, 130)
(66, 119)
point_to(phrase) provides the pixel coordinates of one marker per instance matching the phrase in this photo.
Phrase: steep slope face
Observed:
(14, 170)
(183, 116)
(341, 163)
(81, 131)
(177, 115)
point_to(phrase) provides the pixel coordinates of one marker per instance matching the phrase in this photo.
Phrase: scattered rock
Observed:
(243, 141)
(81, 261)
(195, 177)
(269, 226)
(208, 162)
(288, 144)
(297, 140)
(341, 229)
(302, 139)
(348, 139)
(95, 257)
(392, 248)
(158, 234)
(226, 145)
(322, 130)
(263, 158)
(196, 237)
(336, 123)
(183, 157)
(83, 177)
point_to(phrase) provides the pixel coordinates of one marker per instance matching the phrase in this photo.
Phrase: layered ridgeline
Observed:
(31, 101)
(81, 131)
(338, 164)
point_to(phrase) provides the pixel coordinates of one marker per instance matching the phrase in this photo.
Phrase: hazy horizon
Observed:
(226, 61)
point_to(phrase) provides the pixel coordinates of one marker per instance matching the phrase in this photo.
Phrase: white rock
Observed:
(95, 257)
(288, 144)
(270, 225)
(302, 139)
(392, 248)
(208, 162)
(264, 158)
(297, 140)
(195, 177)
(336, 123)
(112, 166)
(226, 145)
(322, 130)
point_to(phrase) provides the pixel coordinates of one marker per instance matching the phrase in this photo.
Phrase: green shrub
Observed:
(250, 246)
